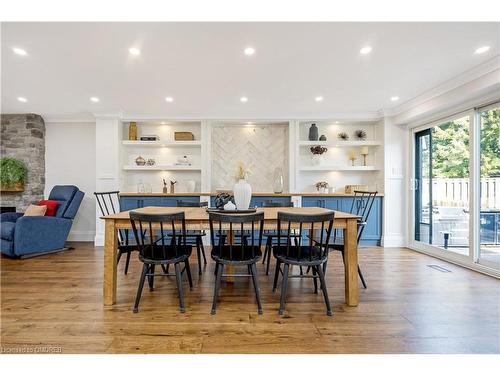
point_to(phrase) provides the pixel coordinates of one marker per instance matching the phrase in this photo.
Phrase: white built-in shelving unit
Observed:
(336, 168)
(303, 174)
(165, 152)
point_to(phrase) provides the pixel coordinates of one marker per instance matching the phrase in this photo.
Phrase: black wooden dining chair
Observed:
(313, 254)
(361, 206)
(109, 203)
(162, 241)
(245, 253)
(195, 237)
(271, 236)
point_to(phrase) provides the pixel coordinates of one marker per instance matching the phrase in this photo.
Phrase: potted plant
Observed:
(12, 174)
(317, 154)
(322, 186)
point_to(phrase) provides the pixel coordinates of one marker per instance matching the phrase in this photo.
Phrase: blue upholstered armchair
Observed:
(30, 235)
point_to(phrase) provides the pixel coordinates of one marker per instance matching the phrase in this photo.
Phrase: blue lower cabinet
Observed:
(131, 203)
(372, 233)
(259, 201)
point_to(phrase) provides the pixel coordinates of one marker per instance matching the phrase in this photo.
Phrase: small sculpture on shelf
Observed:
(165, 187)
(172, 186)
(140, 161)
(322, 138)
(343, 136)
(151, 162)
(360, 135)
(321, 186)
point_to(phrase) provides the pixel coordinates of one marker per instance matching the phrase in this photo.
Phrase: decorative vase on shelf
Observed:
(313, 133)
(190, 186)
(140, 187)
(278, 181)
(132, 131)
(317, 160)
(242, 194)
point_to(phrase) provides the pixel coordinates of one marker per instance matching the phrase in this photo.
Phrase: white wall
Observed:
(70, 160)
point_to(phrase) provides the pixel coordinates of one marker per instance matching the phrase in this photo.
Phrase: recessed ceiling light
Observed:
(318, 98)
(169, 99)
(243, 99)
(482, 49)
(365, 50)
(19, 51)
(249, 51)
(134, 51)
(22, 99)
(394, 98)
(94, 99)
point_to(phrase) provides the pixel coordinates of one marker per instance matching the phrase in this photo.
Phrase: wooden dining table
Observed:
(197, 218)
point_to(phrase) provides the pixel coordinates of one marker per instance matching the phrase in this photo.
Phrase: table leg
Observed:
(351, 263)
(110, 254)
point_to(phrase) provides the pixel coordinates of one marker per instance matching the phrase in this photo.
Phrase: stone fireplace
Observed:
(23, 137)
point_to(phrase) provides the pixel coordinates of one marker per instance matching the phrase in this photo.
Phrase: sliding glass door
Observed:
(457, 188)
(489, 214)
(442, 160)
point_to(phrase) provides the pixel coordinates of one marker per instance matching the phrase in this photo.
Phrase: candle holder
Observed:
(352, 157)
(364, 152)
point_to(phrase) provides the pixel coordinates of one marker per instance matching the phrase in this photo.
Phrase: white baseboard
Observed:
(83, 236)
(99, 239)
(393, 241)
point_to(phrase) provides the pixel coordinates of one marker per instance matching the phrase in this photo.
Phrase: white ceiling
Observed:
(202, 66)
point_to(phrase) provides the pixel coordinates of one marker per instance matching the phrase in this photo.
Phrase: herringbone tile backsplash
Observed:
(266, 147)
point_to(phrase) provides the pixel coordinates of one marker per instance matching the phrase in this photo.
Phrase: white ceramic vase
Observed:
(317, 160)
(242, 194)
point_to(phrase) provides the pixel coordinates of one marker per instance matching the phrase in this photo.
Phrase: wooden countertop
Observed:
(126, 194)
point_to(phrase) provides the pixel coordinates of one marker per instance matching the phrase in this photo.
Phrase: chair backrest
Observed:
(159, 235)
(252, 223)
(361, 206)
(109, 203)
(277, 204)
(288, 223)
(63, 194)
(191, 204)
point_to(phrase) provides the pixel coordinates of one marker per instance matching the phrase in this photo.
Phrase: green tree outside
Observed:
(450, 147)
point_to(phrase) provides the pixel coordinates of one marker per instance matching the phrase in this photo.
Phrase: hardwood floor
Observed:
(56, 301)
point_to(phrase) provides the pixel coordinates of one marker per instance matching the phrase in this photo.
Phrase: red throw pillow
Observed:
(51, 206)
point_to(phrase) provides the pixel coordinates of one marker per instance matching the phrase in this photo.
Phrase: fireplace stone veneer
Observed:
(23, 137)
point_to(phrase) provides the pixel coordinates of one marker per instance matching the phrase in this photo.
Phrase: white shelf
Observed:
(340, 143)
(160, 168)
(338, 168)
(162, 144)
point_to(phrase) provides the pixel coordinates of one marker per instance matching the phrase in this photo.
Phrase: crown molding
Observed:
(462, 79)
(359, 116)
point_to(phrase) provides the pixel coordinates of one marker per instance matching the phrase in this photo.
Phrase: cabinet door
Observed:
(172, 201)
(259, 201)
(333, 203)
(313, 202)
(150, 201)
(373, 230)
(129, 203)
